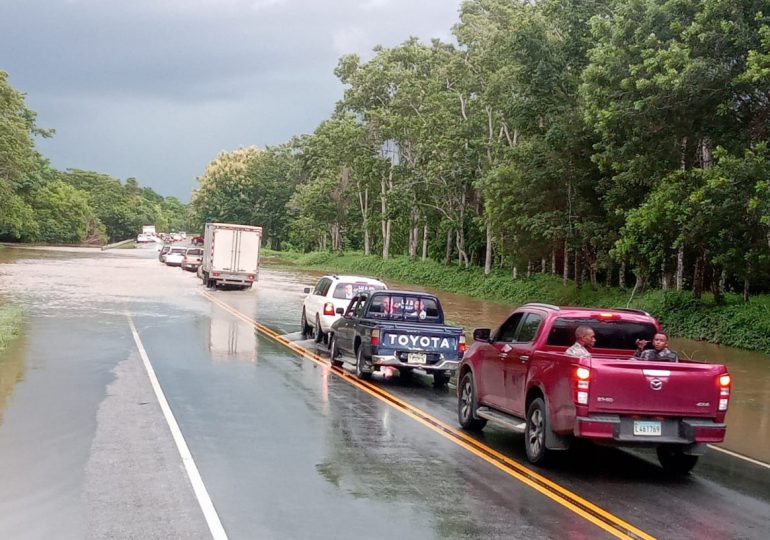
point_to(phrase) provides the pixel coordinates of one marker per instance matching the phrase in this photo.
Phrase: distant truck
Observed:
(230, 255)
(401, 329)
(148, 230)
(520, 377)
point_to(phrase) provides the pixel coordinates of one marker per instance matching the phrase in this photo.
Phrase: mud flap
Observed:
(554, 441)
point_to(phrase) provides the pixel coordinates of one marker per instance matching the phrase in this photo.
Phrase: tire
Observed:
(304, 326)
(674, 461)
(467, 405)
(319, 334)
(534, 433)
(360, 360)
(333, 352)
(440, 379)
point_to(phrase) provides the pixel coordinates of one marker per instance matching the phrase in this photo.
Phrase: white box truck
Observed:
(230, 255)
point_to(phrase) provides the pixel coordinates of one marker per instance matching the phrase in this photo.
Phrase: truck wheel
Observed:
(674, 461)
(360, 363)
(466, 405)
(333, 352)
(306, 330)
(534, 433)
(440, 379)
(319, 334)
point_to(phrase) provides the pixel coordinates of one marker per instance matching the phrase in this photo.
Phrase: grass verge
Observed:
(10, 323)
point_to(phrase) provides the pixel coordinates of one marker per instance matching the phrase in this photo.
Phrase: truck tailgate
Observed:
(654, 388)
(420, 337)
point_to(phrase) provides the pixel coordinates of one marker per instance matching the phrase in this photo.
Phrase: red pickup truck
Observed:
(520, 377)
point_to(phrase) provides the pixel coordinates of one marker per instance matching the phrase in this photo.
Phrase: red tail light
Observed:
(604, 316)
(252, 277)
(375, 339)
(215, 274)
(461, 344)
(328, 308)
(724, 382)
(581, 383)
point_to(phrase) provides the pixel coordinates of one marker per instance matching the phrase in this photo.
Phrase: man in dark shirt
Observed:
(659, 352)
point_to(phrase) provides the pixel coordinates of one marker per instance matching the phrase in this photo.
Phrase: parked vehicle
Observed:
(401, 329)
(148, 230)
(230, 255)
(319, 310)
(175, 256)
(192, 259)
(520, 377)
(163, 252)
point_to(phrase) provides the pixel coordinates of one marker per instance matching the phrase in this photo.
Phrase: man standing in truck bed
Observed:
(659, 352)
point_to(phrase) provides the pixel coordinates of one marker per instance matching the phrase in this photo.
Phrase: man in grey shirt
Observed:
(585, 338)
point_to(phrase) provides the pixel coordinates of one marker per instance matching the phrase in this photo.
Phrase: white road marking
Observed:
(209, 512)
(740, 456)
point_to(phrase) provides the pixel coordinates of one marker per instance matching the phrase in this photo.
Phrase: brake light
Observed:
(724, 382)
(328, 308)
(251, 277)
(216, 274)
(375, 339)
(581, 384)
(461, 344)
(605, 316)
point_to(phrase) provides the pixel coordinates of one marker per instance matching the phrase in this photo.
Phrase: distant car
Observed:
(143, 238)
(175, 256)
(197, 240)
(319, 309)
(163, 252)
(192, 259)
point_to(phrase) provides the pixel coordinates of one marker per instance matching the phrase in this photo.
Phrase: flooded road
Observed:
(286, 447)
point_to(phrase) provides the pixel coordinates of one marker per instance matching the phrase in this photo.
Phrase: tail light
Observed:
(605, 316)
(581, 382)
(328, 308)
(251, 277)
(461, 344)
(215, 274)
(375, 339)
(724, 382)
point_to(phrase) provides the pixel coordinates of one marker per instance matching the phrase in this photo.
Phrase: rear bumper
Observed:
(620, 430)
(392, 360)
(233, 279)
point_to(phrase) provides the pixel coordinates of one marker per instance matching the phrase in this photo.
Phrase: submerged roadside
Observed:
(730, 322)
(10, 323)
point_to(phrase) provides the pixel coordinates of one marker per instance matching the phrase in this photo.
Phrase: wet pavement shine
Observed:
(286, 447)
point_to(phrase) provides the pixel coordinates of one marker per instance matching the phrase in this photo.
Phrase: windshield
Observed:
(609, 334)
(402, 307)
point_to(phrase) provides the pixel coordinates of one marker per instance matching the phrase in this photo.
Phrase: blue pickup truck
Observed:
(401, 329)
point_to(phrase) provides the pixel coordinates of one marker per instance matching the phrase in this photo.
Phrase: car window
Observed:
(195, 251)
(405, 307)
(325, 287)
(507, 331)
(613, 334)
(528, 329)
(319, 288)
(348, 289)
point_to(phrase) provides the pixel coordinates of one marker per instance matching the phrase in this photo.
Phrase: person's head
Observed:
(349, 290)
(660, 341)
(585, 336)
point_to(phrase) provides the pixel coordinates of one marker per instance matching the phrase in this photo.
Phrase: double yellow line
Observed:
(584, 508)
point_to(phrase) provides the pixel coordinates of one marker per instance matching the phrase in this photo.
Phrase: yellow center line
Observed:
(574, 502)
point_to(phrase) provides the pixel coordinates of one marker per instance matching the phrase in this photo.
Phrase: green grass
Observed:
(732, 322)
(10, 323)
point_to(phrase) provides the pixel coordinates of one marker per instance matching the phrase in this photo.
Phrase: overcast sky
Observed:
(155, 89)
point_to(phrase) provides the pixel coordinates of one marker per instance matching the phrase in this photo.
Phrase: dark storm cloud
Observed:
(155, 89)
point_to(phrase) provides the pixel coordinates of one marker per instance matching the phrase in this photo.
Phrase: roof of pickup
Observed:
(629, 314)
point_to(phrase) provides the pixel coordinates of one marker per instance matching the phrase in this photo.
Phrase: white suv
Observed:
(319, 310)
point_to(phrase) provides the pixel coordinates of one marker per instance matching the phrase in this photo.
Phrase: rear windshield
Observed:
(400, 307)
(609, 334)
(196, 251)
(178, 250)
(347, 290)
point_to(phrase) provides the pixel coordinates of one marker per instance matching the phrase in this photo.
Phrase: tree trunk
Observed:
(680, 269)
(529, 268)
(665, 277)
(462, 256)
(514, 272)
(424, 242)
(718, 285)
(542, 265)
(622, 276)
(565, 269)
(699, 273)
(488, 254)
(746, 290)
(553, 262)
(448, 256)
(608, 277)
(578, 270)
(364, 201)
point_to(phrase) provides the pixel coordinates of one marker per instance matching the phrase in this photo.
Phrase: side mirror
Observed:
(340, 311)
(481, 334)
(307, 290)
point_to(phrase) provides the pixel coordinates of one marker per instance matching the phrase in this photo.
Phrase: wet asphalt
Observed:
(285, 447)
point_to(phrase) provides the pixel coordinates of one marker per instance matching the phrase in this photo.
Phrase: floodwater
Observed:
(748, 418)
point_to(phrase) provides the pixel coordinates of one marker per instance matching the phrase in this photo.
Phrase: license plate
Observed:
(647, 428)
(416, 358)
